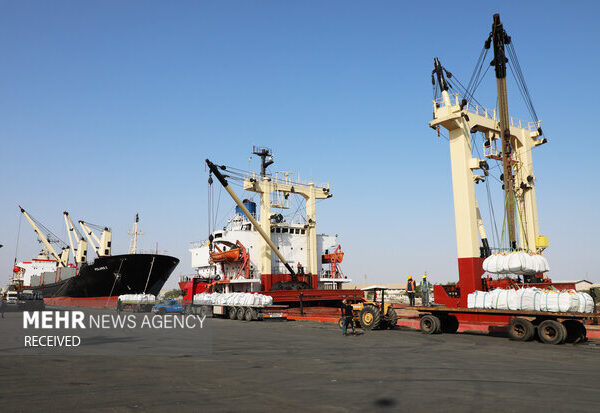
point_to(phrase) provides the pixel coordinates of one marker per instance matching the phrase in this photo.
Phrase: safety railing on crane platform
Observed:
(285, 178)
(487, 113)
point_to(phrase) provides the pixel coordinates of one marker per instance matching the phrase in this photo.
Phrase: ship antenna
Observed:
(266, 158)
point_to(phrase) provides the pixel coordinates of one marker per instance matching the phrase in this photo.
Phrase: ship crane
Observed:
(295, 283)
(80, 252)
(461, 118)
(61, 259)
(102, 245)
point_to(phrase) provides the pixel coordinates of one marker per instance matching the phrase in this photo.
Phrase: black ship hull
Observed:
(113, 276)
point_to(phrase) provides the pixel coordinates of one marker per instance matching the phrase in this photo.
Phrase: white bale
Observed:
(502, 264)
(545, 265)
(471, 300)
(586, 303)
(490, 264)
(501, 300)
(516, 262)
(565, 301)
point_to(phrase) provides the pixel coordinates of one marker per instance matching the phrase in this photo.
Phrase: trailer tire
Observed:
(551, 332)
(241, 313)
(521, 329)
(430, 324)
(250, 314)
(449, 324)
(232, 313)
(205, 311)
(370, 317)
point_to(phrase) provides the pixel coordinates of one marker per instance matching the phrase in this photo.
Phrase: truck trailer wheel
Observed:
(521, 329)
(241, 313)
(576, 332)
(551, 332)
(430, 324)
(232, 313)
(449, 324)
(250, 314)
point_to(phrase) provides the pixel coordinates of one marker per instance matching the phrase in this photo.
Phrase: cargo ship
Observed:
(97, 283)
(261, 250)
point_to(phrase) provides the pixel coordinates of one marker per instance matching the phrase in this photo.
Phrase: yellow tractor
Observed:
(375, 313)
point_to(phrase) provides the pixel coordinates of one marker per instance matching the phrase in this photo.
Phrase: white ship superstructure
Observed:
(304, 250)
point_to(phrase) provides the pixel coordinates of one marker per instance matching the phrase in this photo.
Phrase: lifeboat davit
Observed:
(231, 255)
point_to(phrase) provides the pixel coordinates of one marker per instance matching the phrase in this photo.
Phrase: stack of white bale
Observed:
(519, 262)
(532, 299)
(138, 298)
(233, 299)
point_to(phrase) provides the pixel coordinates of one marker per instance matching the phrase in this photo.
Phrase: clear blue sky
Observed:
(109, 108)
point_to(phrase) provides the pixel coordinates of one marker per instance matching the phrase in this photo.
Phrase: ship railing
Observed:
(285, 178)
(487, 113)
(151, 251)
(198, 244)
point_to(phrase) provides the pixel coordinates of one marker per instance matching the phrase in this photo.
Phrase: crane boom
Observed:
(80, 252)
(89, 234)
(215, 170)
(62, 262)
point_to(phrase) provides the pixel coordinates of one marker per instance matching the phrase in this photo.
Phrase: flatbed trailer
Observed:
(136, 307)
(237, 312)
(549, 327)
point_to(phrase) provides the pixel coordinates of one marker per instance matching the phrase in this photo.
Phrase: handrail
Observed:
(487, 113)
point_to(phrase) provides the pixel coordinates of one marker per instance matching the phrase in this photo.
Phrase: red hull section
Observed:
(95, 302)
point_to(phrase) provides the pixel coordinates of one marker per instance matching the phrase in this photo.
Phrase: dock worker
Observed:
(348, 317)
(410, 290)
(425, 286)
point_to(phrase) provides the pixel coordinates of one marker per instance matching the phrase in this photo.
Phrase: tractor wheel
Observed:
(551, 332)
(521, 329)
(241, 313)
(232, 313)
(250, 314)
(370, 317)
(449, 324)
(430, 324)
(392, 318)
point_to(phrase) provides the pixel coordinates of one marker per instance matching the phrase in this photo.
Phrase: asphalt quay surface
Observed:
(308, 366)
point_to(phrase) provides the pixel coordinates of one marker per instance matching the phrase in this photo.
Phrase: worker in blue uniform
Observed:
(425, 286)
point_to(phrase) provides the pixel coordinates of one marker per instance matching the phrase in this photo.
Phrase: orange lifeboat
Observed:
(226, 256)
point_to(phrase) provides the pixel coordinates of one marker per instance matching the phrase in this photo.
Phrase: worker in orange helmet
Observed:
(410, 290)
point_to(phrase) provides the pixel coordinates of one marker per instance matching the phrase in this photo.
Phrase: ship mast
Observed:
(134, 235)
(499, 38)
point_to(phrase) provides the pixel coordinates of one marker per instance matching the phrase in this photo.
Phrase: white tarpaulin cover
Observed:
(138, 298)
(532, 299)
(233, 299)
(519, 262)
